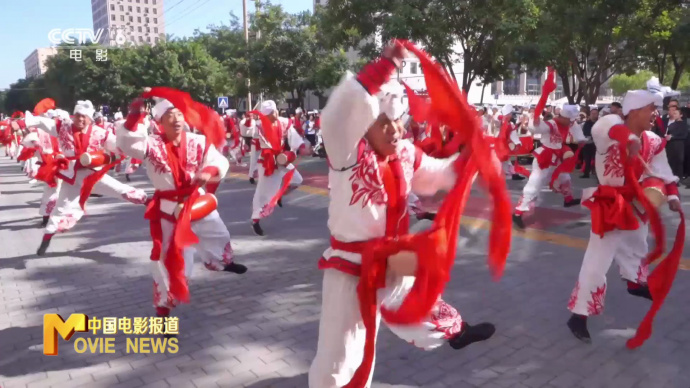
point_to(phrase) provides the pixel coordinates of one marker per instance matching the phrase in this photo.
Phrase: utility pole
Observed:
(246, 39)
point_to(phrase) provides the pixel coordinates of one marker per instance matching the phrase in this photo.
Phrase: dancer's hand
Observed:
(403, 263)
(674, 205)
(202, 178)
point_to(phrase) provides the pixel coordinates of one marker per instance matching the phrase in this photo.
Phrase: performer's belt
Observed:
(612, 209)
(340, 264)
(545, 158)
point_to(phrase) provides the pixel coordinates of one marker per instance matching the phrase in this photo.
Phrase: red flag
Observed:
(548, 88)
(43, 106)
(419, 107)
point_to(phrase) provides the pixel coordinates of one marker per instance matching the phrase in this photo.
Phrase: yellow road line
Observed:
(480, 223)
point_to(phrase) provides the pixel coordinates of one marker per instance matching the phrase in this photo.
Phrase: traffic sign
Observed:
(223, 102)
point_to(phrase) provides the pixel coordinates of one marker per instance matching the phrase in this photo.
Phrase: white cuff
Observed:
(673, 197)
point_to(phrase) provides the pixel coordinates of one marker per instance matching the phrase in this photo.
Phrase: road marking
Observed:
(480, 223)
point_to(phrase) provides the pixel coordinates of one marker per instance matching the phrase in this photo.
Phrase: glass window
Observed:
(131, 18)
(122, 18)
(155, 29)
(112, 7)
(112, 17)
(138, 9)
(155, 11)
(154, 2)
(139, 28)
(122, 8)
(148, 29)
(129, 8)
(139, 19)
(155, 20)
(148, 39)
(413, 68)
(147, 20)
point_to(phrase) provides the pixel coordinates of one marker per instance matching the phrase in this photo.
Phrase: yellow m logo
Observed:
(54, 324)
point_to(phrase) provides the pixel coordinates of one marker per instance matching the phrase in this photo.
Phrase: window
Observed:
(155, 11)
(122, 18)
(131, 18)
(112, 7)
(129, 8)
(146, 1)
(155, 29)
(148, 39)
(147, 20)
(140, 38)
(131, 28)
(146, 10)
(138, 9)
(155, 20)
(154, 2)
(139, 19)
(148, 29)
(413, 68)
(122, 8)
(139, 28)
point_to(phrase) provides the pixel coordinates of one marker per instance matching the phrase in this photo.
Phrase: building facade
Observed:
(129, 21)
(35, 63)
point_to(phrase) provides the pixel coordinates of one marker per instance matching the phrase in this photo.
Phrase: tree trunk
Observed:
(566, 85)
(678, 69)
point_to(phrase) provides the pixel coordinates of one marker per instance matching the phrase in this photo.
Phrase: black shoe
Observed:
(426, 216)
(584, 176)
(127, 178)
(578, 326)
(471, 334)
(252, 181)
(571, 203)
(44, 246)
(517, 220)
(257, 229)
(44, 223)
(518, 177)
(280, 202)
(235, 268)
(641, 291)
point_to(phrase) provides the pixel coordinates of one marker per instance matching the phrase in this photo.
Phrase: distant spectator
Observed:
(676, 134)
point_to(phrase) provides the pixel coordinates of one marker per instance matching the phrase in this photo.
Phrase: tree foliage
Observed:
(286, 54)
(484, 35)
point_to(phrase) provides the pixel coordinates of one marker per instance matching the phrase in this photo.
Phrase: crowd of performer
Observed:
(386, 147)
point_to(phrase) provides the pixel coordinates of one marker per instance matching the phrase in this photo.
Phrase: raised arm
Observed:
(130, 135)
(353, 107)
(431, 174)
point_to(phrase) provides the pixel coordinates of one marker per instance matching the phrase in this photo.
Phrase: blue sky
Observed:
(23, 29)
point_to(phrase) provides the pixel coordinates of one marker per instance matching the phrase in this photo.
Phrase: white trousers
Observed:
(214, 249)
(31, 167)
(537, 179)
(342, 335)
(268, 186)
(49, 199)
(627, 248)
(67, 210)
(253, 161)
(12, 150)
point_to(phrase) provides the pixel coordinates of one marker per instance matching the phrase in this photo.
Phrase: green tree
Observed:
(666, 47)
(288, 55)
(482, 34)
(588, 41)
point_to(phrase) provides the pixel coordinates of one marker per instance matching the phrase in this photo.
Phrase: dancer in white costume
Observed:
(362, 130)
(619, 227)
(76, 138)
(548, 157)
(178, 163)
(275, 163)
